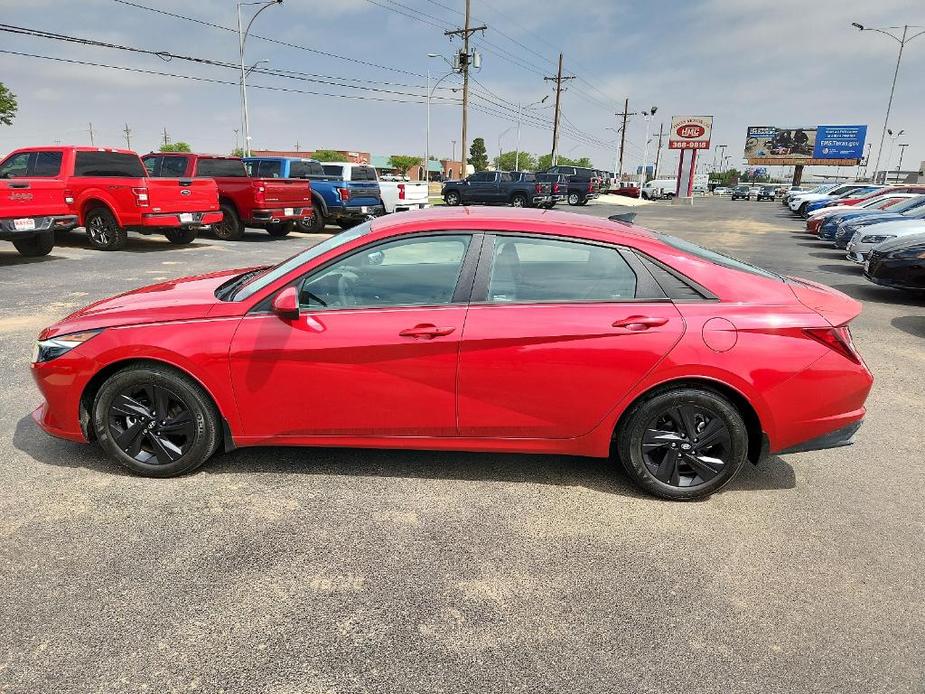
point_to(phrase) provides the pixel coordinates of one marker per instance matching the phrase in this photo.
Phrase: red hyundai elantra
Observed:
(477, 329)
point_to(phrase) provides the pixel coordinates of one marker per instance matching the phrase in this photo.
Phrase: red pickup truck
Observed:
(109, 192)
(274, 204)
(33, 207)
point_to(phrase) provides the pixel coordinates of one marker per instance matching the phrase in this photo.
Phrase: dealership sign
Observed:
(832, 145)
(690, 132)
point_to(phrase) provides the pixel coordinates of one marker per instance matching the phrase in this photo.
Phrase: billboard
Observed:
(690, 132)
(829, 145)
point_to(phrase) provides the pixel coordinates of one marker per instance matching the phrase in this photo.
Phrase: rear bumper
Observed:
(180, 219)
(405, 207)
(835, 439)
(275, 215)
(358, 211)
(541, 199)
(8, 231)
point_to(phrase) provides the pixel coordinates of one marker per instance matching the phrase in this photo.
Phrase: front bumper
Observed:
(9, 232)
(180, 220)
(857, 254)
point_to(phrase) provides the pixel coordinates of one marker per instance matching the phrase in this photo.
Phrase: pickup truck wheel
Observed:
(519, 200)
(230, 228)
(180, 236)
(313, 226)
(104, 231)
(451, 199)
(574, 199)
(278, 231)
(35, 247)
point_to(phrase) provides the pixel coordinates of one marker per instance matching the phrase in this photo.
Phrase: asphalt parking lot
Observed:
(299, 570)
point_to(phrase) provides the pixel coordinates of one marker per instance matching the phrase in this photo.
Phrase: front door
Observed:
(373, 352)
(558, 331)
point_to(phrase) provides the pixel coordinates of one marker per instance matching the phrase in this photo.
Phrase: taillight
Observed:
(555, 187)
(401, 191)
(141, 196)
(838, 339)
(590, 187)
(538, 189)
(343, 194)
(260, 194)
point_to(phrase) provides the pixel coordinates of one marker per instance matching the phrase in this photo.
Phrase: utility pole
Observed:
(92, 143)
(128, 137)
(658, 154)
(464, 60)
(626, 114)
(237, 145)
(166, 138)
(296, 145)
(453, 158)
(558, 79)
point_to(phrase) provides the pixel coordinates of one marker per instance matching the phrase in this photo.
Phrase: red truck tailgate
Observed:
(32, 197)
(181, 195)
(284, 192)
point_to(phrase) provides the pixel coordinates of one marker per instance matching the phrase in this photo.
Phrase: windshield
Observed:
(910, 204)
(716, 258)
(258, 282)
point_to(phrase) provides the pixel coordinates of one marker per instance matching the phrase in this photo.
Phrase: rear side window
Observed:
(174, 167)
(151, 164)
(363, 173)
(716, 258)
(269, 169)
(108, 164)
(527, 269)
(506, 178)
(46, 164)
(304, 169)
(334, 170)
(224, 168)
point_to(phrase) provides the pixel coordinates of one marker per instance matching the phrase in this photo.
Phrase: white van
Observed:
(659, 189)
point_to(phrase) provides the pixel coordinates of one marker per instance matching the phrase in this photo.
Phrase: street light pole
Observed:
(889, 159)
(902, 41)
(242, 39)
(430, 94)
(520, 111)
(647, 116)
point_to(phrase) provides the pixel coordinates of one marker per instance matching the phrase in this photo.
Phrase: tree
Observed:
(584, 162)
(176, 147)
(237, 152)
(328, 155)
(478, 155)
(403, 162)
(8, 105)
(509, 161)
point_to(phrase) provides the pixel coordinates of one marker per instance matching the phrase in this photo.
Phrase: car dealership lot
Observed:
(285, 570)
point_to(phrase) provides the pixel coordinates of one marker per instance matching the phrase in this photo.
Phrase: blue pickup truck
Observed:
(343, 193)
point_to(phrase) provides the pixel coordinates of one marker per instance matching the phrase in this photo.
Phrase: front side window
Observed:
(421, 271)
(16, 166)
(108, 164)
(528, 269)
(221, 168)
(47, 164)
(174, 167)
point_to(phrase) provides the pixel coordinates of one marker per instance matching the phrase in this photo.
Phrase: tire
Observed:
(666, 424)
(104, 231)
(37, 246)
(278, 231)
(315, 225)
(583, 202)
(518, 200)
(802, 210)
(452, 199)
(231, 228)
(669, 196)
(574, 199)
(181, 237)
(645, 196)
(128, 427)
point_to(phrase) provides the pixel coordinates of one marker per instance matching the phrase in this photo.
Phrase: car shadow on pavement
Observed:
(11, 259)
(828, 255)
(591, 473)
(849, 269)
(914, 325)
(135, 243)
(873, 292)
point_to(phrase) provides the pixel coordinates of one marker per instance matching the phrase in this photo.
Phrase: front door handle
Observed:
(426, 331)
(640, 323)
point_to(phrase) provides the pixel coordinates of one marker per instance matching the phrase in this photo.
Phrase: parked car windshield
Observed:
(909, 204)
(265, 278)
(716, 258)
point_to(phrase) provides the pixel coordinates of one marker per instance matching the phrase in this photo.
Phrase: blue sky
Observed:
(747, 62)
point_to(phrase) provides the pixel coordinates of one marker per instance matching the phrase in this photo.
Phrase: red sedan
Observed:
(477, 329)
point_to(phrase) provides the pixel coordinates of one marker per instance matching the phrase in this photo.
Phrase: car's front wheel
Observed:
(451, 199)
(155, 421)
(683, 443)
(104, 231)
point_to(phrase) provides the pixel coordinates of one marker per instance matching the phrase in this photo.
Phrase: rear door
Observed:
(557, 333)
(480, 188)
(120, 174)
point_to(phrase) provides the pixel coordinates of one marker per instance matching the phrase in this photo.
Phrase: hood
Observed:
(902, 242)
(186, 298)
(897, 226)
(831, 304)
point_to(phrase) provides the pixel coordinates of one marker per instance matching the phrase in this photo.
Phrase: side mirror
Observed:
(286, 303)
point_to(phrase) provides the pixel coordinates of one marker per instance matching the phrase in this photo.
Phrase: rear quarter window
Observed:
(334, 170)
(47, 164)
(225, 168)
(363, 173)
(304, 169)
(108, 164)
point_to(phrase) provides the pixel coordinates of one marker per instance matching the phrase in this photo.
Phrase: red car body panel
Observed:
(256, 200)
(166, 198)
(548, 378)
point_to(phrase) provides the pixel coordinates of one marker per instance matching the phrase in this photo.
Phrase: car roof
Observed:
(76, 148)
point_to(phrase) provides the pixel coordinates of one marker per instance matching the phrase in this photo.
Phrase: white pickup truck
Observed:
(400, 194)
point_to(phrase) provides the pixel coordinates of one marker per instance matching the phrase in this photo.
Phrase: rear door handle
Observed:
(640, 323)
(426, 331)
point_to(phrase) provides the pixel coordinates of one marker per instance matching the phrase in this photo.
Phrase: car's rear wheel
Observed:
(451, 199)
(231, 228)
(519, 200)
(155, 421)
(104, 231)
(38, 245)
(181, 237)
(683, 443)
(574, 199)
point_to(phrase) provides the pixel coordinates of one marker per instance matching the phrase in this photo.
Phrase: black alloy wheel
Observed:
(155, 421)
(104, 231)
(231, 228)
(519, 200)
(682, 444)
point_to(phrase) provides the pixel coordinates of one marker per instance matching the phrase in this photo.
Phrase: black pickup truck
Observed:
(520, 189)
(583, 184)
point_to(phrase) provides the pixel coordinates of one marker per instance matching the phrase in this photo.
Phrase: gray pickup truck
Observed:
(520, 189)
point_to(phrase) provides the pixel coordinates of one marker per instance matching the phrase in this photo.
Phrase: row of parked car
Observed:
(571, 184)
(879, 227)
(111, 192)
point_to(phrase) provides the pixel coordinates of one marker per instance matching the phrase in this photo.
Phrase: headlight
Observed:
(876, 239)
(54, 347)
